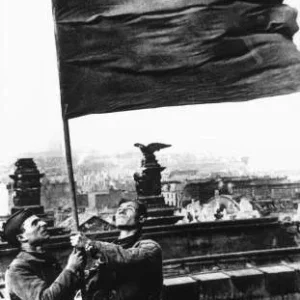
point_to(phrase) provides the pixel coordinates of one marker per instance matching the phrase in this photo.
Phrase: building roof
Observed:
(83, 219)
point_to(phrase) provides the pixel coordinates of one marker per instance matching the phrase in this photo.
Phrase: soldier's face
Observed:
(126, 215)
(34, 231)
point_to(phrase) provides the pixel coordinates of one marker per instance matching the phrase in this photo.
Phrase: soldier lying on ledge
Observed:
(34, 274)
(131, 267)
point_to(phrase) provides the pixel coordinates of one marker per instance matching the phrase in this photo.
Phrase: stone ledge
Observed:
(248, 283)
(214, 285)
(296, 267)
(178, 281)
(279, 279)
(180, 288)
(269, 282)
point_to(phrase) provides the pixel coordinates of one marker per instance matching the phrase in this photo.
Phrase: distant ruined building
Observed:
(257, 188)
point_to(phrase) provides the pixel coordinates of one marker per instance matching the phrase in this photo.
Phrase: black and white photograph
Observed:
(149, 150)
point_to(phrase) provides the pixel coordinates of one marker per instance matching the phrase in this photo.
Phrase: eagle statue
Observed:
(148, 151)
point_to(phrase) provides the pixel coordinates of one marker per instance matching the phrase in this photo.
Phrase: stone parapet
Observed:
(216, 284)
(279, 280)
(180, 288)
(268, 282)
(198, 247)
(247, 283)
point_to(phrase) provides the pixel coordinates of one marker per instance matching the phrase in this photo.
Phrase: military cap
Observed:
(12, 227)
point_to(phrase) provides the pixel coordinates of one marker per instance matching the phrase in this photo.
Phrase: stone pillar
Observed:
(27, 186)
(148, 187)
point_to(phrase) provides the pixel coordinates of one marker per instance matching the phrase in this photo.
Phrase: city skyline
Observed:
(30, 113)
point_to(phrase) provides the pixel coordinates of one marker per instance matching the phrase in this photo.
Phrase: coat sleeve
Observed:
(146, 251)
(20, 280)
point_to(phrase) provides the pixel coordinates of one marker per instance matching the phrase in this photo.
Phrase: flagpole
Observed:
(73, 188)
(70, 169)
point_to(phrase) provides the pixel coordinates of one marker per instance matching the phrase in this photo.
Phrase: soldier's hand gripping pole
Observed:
(81, 249)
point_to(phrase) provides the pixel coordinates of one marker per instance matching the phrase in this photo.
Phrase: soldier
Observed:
(131, 267)
(34, 274)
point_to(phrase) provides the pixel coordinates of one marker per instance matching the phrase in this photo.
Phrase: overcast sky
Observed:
(30, 114)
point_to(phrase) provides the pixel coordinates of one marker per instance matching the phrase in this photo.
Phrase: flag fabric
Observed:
(117, 55)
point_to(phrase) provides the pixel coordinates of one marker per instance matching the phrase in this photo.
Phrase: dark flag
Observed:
(117, 55)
